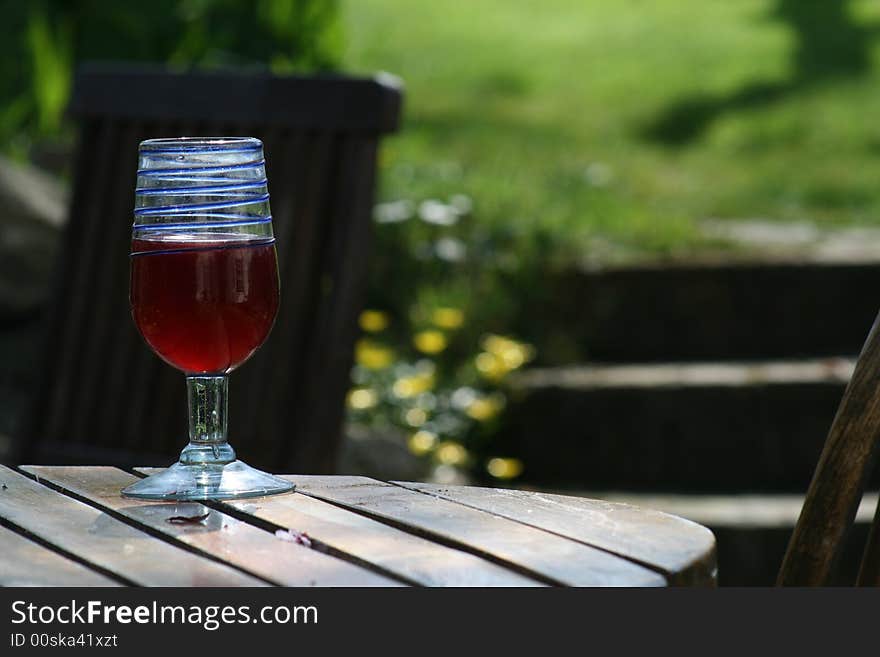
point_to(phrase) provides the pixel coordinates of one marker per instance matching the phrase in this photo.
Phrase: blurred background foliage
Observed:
(45, 38)
(538, 136)
(597, 131)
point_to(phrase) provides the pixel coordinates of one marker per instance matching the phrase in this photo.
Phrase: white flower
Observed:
(437, 213)
(393, 212)
(599, 174)
(450, 249)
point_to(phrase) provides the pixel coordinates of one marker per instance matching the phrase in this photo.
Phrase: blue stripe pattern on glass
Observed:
(202, 186)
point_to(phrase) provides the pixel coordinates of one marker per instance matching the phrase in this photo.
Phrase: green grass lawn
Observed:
(577, 122)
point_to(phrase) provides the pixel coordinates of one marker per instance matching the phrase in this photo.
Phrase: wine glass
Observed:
(204, 294)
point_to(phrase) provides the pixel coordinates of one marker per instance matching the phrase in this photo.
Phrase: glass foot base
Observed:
(204, 481)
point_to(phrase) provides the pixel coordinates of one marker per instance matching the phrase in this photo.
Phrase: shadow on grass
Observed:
(829, 46)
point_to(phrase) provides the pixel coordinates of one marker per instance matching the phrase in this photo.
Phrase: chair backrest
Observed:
(836, 490)
(103, 397)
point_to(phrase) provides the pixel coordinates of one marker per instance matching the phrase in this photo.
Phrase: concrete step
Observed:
(727, 310)
(693, 427)
(752, 531)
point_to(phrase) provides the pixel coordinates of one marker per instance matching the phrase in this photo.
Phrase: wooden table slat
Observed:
(418, 559)
(220, 535)
(106, 542)
(559, 559)
(681, 548)
(413, 557)
(27, 563)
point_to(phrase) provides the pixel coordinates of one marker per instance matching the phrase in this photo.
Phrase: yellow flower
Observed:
(410, 386)
(430, 341)
(372, 355)
(362, 398)
(504, 468)
(495, 344)
(451, 453)
(421, 442)
(373, 321)
(448, 318)
(513, 354)
(491, 366)
(483, 409)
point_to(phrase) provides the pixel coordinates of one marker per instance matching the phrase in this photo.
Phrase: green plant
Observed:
(41, 41)
(431, 362)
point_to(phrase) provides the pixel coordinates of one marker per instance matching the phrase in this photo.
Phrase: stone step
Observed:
(675, 426)
(729, 310)
(731, 511)
(752, 531)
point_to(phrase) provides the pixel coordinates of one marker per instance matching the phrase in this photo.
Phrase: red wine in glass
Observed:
(204, 295)
(204, 306)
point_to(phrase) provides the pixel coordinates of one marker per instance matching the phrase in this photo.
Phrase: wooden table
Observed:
(70, 526)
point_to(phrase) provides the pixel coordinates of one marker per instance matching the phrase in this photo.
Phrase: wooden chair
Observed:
(103, 397)
(838, 483)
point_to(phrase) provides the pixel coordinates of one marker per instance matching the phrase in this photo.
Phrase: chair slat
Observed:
(839, 480)
(144, 365)
(81, 236)
(101, 366)
(253, 372)
(329, 357)
(300, 254)
(328, 102)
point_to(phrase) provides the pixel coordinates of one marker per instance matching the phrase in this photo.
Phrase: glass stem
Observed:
(207, 421)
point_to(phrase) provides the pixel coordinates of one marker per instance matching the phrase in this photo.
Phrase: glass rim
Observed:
(194, 144)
